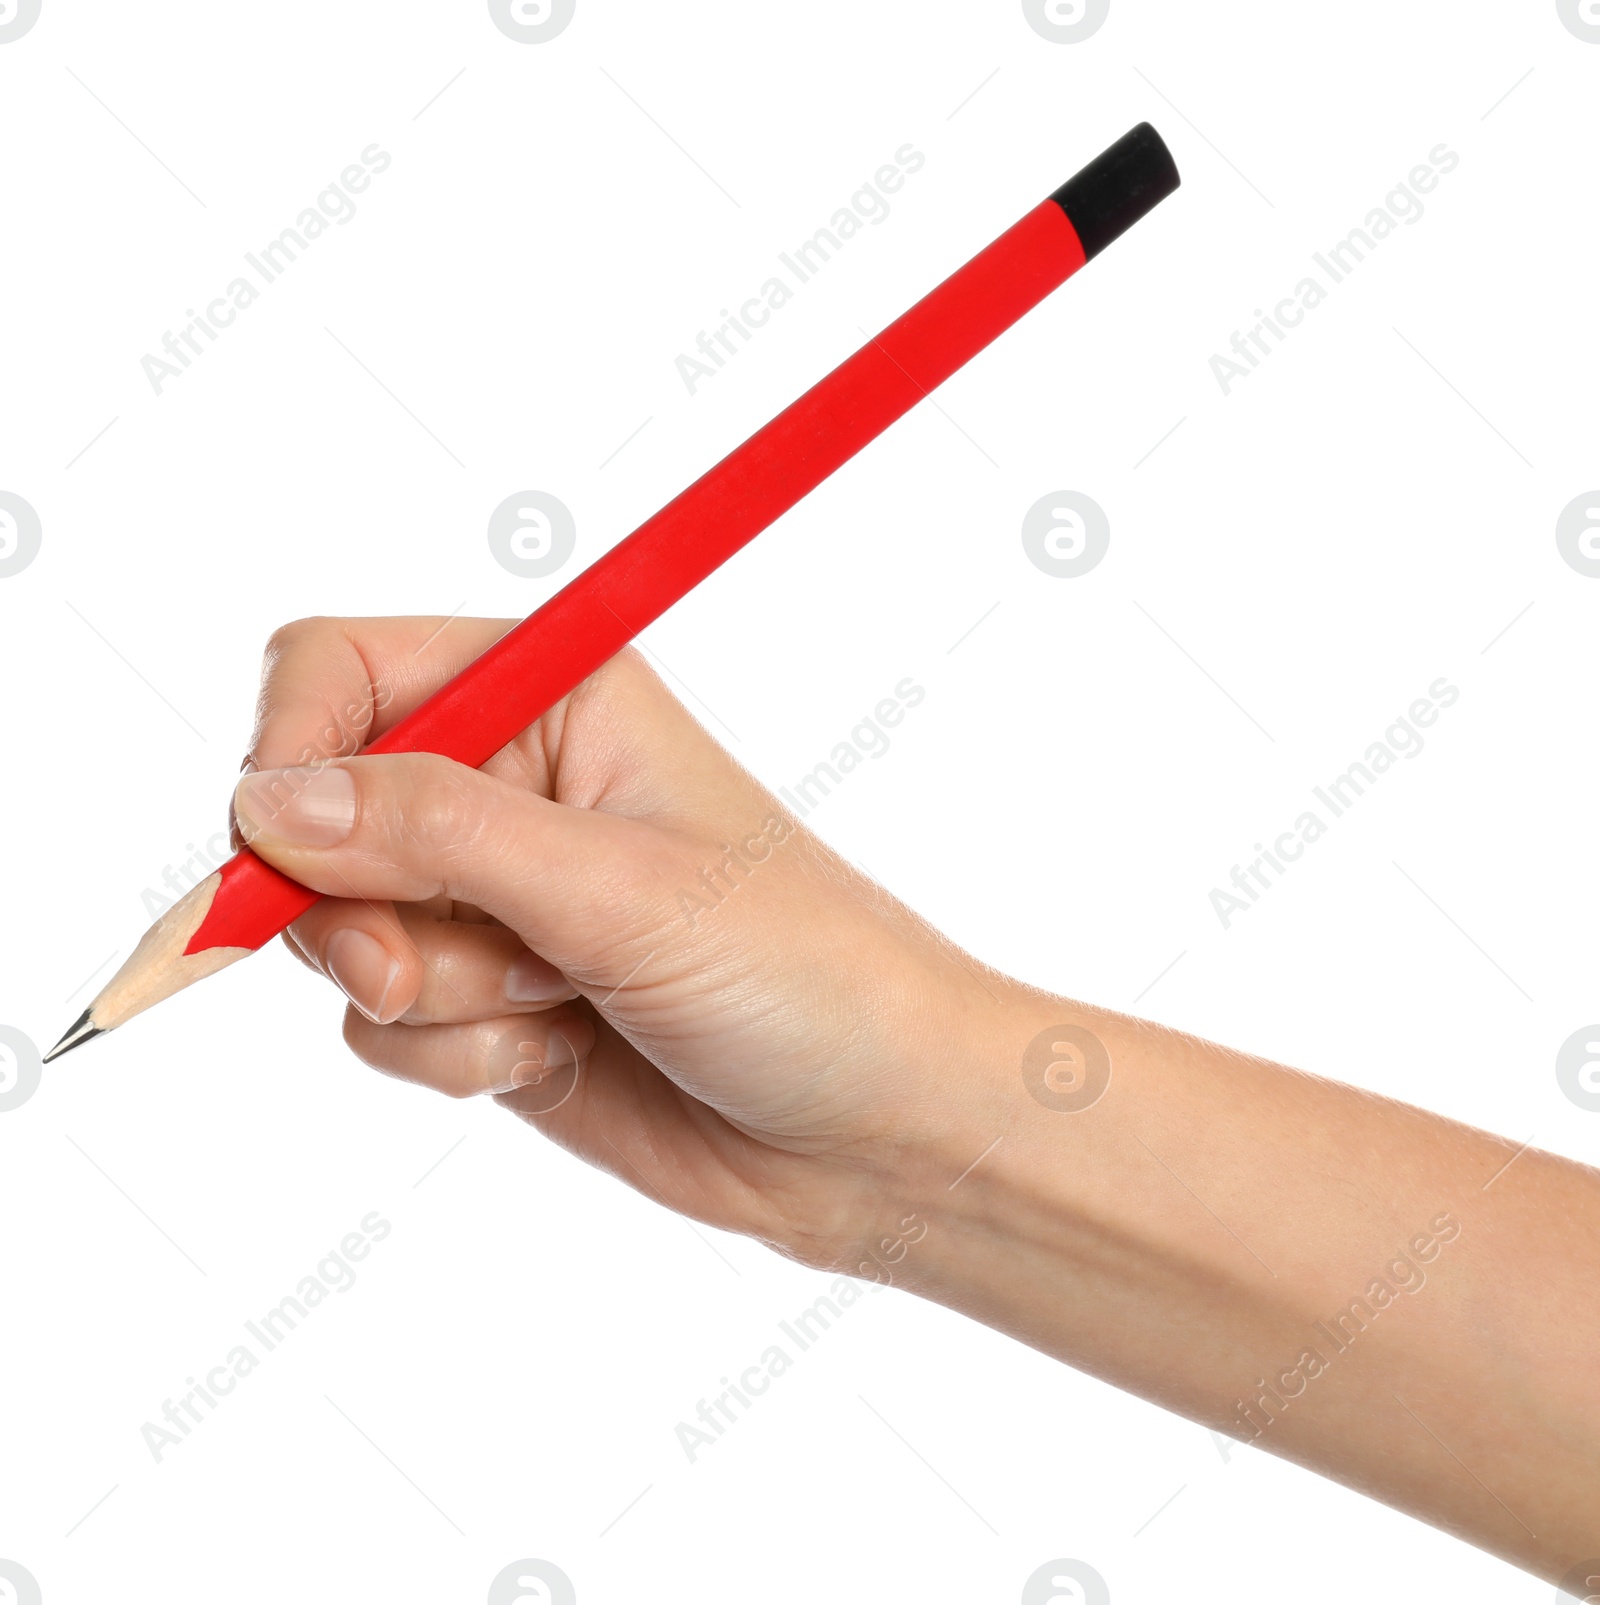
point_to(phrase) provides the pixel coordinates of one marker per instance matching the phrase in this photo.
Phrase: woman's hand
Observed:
(613, 929)
(625, 939)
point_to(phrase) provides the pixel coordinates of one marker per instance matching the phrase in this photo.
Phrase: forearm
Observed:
(1358, 1285)
(684, 985)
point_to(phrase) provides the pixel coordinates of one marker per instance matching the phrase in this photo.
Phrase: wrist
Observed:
(998, 1162)
(974, 1114)
(1017, 1189)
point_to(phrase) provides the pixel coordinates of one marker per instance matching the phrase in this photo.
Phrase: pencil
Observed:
(246, 902)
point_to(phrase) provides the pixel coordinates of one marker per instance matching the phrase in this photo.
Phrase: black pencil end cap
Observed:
(1118, 187)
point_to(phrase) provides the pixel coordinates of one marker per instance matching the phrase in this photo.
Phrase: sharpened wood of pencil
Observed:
(247, 902)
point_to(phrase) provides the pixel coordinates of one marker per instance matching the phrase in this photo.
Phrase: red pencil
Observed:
(529, 670)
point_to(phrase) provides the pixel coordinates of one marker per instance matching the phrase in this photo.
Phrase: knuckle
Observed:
(310, 707)
(627, 674)
(440, 813)
(290, 639)
(470, 1073)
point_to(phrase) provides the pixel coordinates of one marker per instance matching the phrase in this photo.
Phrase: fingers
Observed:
(621, 741)
(543, 1055)
(410, 826)
(411, 964)
(329, 686)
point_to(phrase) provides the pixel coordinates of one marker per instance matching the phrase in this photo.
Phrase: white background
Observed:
(1290, 567)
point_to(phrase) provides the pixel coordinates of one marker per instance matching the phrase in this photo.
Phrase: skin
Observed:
(621, 937)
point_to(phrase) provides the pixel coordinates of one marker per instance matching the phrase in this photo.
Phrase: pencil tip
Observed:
(83, 1030)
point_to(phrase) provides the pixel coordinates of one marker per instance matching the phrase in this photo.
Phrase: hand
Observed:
(613, 929)
(618, 933)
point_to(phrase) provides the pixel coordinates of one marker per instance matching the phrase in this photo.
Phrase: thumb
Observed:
(406, 827)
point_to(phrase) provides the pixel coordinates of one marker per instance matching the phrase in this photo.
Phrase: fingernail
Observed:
(365, 971)
(304, 807)
(532, 979)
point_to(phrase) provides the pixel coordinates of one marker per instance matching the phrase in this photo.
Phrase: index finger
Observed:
(330, 686)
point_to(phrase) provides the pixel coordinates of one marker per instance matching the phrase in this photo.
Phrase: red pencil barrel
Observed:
(593, 618)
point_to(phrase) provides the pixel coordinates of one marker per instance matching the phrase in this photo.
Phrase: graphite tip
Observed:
(83, 1029)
